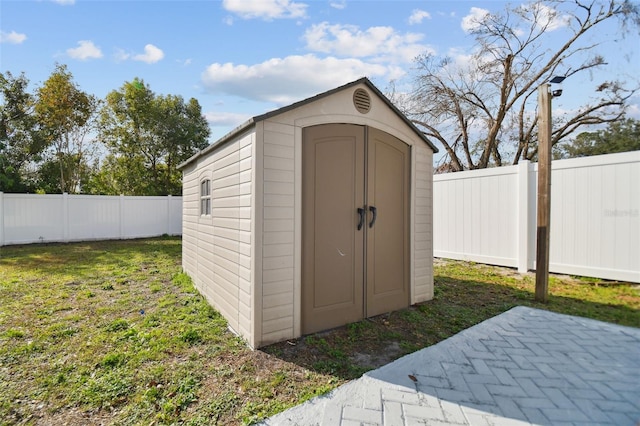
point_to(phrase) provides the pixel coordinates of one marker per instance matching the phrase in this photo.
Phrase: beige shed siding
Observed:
(245, 258)
(245, 304)
(190, 203)
(217, 248)
(278, 231)
(423, 225)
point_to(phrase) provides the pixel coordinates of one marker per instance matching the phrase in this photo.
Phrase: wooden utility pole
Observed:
(544, 193)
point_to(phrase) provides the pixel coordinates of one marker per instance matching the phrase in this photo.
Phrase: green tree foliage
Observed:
(65, 114)
(47, 138)
(48, 175)
(120, 175)
(619, 136)
(21, 142)
(147, 135)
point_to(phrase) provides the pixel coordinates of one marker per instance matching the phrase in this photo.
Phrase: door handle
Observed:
(361, 220)
(374, 211)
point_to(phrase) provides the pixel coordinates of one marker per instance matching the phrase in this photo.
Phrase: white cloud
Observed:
(120, 55)
(383, 44)
(65, 2)
(12, 37)
(225, 119)
(461, 59)
(338, 4)
(85, 50)
(151, 54)
(466, 64)
(285, 80)
(544, 16)
(417, 16)
(633, 111)
(471, 21)
(266, 9)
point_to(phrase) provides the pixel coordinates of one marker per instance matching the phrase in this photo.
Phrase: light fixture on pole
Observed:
(557, 91)
(544, 186)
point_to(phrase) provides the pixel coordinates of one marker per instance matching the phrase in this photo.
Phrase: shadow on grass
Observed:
(89, 256)
(349, 351)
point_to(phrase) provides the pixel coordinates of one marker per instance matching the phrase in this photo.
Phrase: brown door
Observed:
(332, 249)
(387, 250)
(354, 225)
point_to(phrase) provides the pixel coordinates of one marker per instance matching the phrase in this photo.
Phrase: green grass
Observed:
(114, 333)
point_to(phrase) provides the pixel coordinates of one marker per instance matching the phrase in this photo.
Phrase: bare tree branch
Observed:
(483, 109)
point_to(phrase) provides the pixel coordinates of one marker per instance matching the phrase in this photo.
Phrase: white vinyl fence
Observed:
(489, 216)
(34, 218)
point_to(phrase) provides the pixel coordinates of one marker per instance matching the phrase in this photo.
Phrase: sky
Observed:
(241, 58)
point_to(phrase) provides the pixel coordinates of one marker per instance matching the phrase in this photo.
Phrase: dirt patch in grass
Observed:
(374, 360)
(114, 333)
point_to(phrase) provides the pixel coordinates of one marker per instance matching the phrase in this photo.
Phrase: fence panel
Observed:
(145, 216)
(93, 217)
(32, 218)
(595, 217)
(489, 216)
(474, 216)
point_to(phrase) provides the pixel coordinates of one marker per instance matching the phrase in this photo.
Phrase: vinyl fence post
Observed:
(1, 219)
(65, 217)
(121, 216)
(168, 232)
(523, 216)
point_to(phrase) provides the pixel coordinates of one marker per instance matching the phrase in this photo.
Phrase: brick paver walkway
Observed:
(525, 366)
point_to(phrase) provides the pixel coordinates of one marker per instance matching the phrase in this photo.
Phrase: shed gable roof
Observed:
(252, 121)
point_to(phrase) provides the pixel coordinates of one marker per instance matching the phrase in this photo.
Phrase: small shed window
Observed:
(205, 197)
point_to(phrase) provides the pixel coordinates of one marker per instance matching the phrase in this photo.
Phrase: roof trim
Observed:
(252, 121)
(238, 130)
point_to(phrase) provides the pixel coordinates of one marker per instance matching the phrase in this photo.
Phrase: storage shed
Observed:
(311, 216)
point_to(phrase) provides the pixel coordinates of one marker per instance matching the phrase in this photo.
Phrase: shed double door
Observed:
(355, 225)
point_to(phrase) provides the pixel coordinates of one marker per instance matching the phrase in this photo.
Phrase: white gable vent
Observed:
(362, 101)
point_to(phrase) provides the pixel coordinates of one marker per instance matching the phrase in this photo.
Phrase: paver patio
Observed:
(525, 366)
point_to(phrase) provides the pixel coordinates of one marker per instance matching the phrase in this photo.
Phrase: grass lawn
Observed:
(114, 333)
